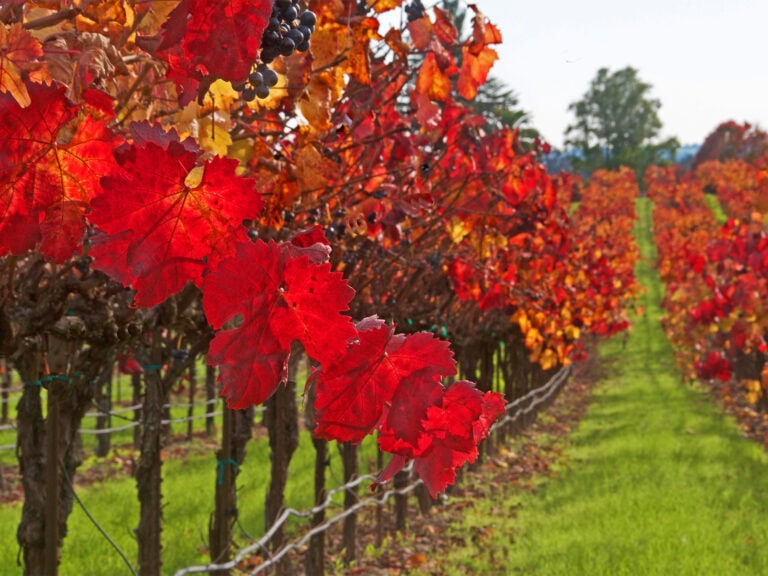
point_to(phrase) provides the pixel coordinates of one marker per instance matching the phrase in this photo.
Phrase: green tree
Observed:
(617, 124)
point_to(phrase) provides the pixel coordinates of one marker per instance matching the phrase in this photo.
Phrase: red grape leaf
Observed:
(165, 216)
(279, 298)
(219, 38)
(127, 364)
(453, 426)
(714, 366)
(353, 390)
(401, 430)
(47, 175)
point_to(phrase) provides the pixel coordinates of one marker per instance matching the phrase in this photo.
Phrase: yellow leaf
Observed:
(213, 136)
(572, 332)
(194, 177)
(457, 229)
(548, 359)
(220, 96)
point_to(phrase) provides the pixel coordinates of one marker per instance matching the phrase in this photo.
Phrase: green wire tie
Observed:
(220, 469)
(152, 368)
(55, 378)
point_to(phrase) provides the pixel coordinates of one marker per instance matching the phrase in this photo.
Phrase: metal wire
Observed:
(514, 411)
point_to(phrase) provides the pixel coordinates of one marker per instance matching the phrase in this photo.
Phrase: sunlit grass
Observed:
(717, 208)
(188, 488)
(658, 481)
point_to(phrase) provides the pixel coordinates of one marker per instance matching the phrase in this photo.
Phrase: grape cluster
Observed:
(288, 31)
(259, 82)
(415, 10)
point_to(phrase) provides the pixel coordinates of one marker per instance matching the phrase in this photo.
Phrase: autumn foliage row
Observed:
(716, 277)
(364, 187)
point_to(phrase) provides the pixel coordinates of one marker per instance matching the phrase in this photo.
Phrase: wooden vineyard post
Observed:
(236, 432)
(401, 501)
(351, 468)
(136, 400)
(314, 561)
(149, 478)
(192, 391)
(380, 506)
(5, 396)
(220, 539)
(104, 418)
(281, 419)
(52, 483)
(210, 396)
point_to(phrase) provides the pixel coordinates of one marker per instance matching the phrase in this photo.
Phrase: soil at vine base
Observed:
(521, 463)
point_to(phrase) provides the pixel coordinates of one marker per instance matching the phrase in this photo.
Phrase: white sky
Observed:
(707, 60)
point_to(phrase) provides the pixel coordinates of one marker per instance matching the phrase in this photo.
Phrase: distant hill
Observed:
(686, 153)
(558, 160)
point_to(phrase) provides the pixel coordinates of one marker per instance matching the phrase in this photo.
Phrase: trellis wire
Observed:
(10, 391)
(128, 426)
(536, 397)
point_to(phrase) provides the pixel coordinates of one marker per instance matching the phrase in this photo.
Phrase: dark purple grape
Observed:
(305, 30)
(179, 354)
(274, 23)
(296, 36)
(271, 37)
(303, 47)
(249, 94)
(287, 46)
(256, 78)
(290, 14)
(269, 53)
(270, 77)
(308, 18)
(262, 91)
(283, 4)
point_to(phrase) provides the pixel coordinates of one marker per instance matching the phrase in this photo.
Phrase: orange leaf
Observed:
(474, 71)
(395, 41)
(421, 33)
(380, 6)
(313, 171)
(432, 81)
(315, 103)
(444, 27)
(19, 51)
(483, 32)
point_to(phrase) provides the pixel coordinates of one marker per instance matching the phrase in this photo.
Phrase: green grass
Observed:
(657, 481)
(8, 437)
(714, 204)
(188, 489)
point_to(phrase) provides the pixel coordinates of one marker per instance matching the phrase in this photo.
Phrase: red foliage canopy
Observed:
(47, 174)
(439, 429)
(165, 215)
(279, 298)
(353, 390)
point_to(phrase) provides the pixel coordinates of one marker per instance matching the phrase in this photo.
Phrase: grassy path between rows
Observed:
(656, 480)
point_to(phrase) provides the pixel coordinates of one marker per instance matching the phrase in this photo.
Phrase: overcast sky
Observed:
(707, 60)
